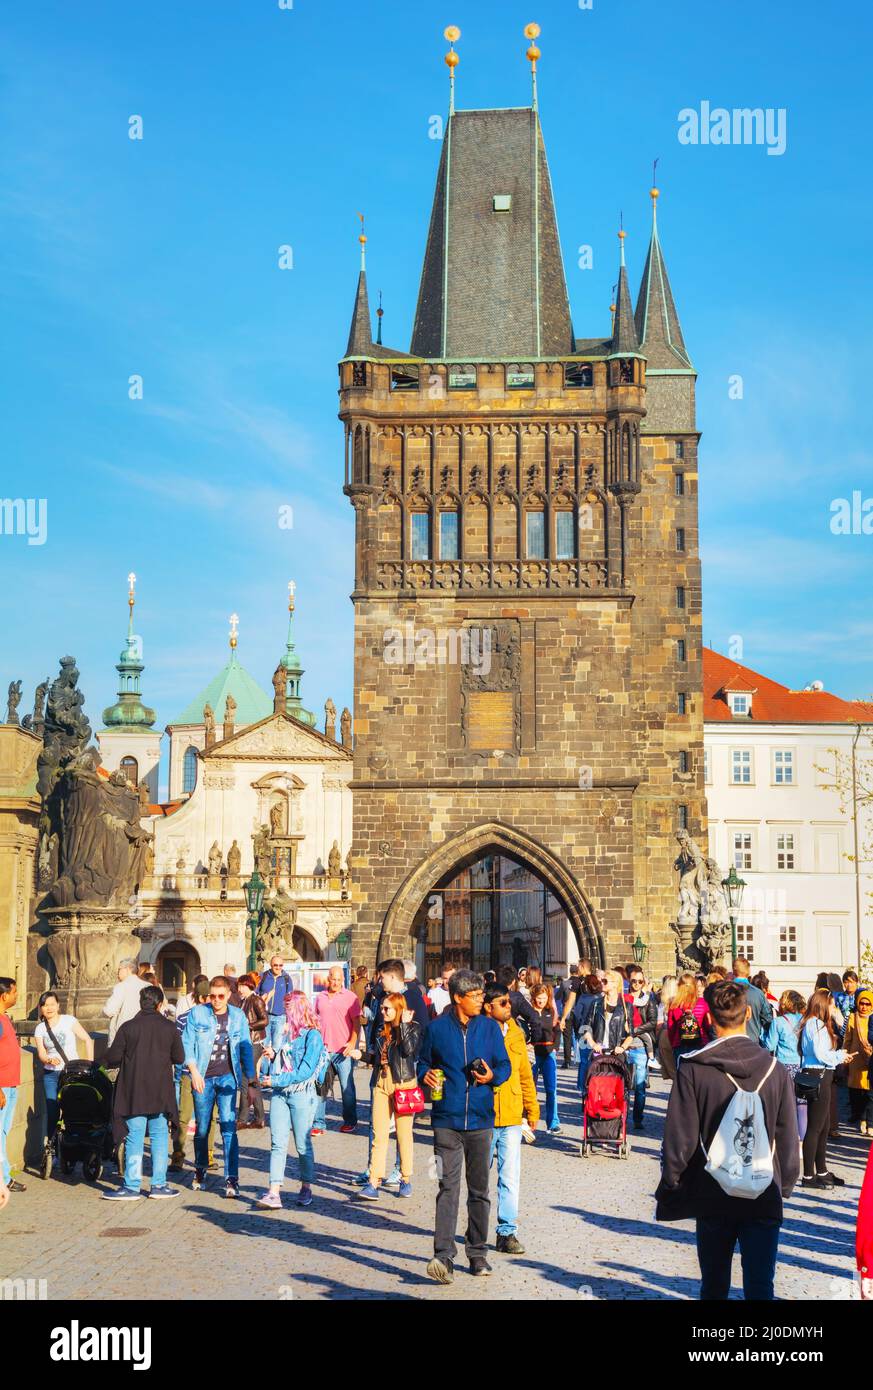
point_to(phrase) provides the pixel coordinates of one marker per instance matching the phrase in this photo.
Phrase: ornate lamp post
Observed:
(640, 951)
(254, 891)
(733, 888)
(342, 944)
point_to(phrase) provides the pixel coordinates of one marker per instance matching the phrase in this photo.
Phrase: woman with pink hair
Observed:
(292, 1082)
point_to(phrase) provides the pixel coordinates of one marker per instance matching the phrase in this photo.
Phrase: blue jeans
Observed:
(217, 1091)
(506, 1144)
(134, 1144)
(638, 1059)
(51, 1078)
(6, 1116)
(547, 1067)
(345, 1070)
(716, 1238)
(585, 1055)
(294, 1112)
(275, 1031)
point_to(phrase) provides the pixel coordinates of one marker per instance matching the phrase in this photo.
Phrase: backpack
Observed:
(689, 1029)
(740, 1157)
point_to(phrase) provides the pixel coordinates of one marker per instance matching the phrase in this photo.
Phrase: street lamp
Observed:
(254, 891)
(733, 888)
(341, 945)
(640, 950)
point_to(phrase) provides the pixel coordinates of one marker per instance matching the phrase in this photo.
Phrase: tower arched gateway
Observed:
(492, 895)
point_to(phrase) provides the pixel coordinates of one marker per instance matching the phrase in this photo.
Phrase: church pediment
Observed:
(276, 738)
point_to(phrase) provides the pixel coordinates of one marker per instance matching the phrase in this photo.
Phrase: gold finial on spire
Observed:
(363, 240)
(131, 590)
(654, 192)
(292, 589)
(532, 32)
(234, 627)
(452, 33)
(621, 234)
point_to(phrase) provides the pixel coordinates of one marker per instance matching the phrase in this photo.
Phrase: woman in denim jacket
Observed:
(291, 1080)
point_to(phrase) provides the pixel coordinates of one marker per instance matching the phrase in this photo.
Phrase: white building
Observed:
(783, 770)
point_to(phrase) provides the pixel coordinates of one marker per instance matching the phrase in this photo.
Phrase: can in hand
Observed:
(436, 1092)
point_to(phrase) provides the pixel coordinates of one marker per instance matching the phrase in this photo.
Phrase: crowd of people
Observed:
(751, 1111)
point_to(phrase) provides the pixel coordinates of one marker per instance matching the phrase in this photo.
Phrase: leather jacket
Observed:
(402, 1054)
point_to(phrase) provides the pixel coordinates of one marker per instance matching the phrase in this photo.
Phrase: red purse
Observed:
(408, 1100)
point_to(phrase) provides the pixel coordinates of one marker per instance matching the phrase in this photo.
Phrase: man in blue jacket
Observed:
(468, 1048)
(220, 1059)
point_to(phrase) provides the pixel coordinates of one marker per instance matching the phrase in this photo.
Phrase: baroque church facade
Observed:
(522, 492)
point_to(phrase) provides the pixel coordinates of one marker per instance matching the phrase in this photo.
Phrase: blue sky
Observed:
(265, 127)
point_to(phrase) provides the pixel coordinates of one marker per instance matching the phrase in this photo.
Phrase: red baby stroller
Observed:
(604, 1110)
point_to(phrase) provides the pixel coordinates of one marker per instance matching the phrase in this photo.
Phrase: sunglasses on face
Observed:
(219, 995)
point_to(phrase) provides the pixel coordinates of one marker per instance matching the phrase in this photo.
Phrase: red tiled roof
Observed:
(772, 703)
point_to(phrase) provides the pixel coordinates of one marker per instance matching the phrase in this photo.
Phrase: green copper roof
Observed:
(294, 672)
(252, 703)
(129, 712)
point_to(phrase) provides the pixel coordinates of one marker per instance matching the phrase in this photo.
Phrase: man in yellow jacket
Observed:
(514, 1102)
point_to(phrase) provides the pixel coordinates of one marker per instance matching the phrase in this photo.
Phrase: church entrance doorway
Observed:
(175, 967)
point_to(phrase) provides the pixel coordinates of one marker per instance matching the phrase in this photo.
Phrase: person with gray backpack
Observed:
(731, 1152)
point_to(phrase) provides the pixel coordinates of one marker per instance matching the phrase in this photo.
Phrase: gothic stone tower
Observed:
(527, 580)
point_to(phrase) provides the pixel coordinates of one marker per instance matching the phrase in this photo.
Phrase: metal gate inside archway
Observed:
(495, 911)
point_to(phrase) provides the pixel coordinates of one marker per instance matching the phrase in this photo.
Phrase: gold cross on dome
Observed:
(234, 625)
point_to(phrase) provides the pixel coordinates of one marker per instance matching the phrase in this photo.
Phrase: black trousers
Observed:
(817, 1125)
(454, 1148)
(860, 1105)
(717, 1238)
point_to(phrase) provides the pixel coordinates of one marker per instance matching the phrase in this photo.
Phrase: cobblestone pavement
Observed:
(587, 1225)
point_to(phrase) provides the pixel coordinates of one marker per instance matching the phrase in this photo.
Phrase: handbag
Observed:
(807, 1083)
(408, 1100)
(55, 1042)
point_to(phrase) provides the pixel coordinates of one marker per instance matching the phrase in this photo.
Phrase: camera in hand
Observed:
(478, 1067)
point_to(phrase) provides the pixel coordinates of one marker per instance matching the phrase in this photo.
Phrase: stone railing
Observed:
(502, 575)
(201, 884)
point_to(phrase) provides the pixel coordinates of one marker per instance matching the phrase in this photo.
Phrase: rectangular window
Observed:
(746, 940)
(683, 817)
(739, 704)
(680, 596)
(707, 771)
(741, 767)
(783, 767)
(785, 850)
(462, 378)
(683, 761)
(787, 945)
(680, 537)
(680, 484)
(680, 449)
(565, 536)
(535, 526)
(742, 843)
(682, 707)
(681, 650)
(448, 535)
(419, 537)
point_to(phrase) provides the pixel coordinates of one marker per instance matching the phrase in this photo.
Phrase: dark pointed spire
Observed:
(361, 331)
(657, 322)
(624, 333)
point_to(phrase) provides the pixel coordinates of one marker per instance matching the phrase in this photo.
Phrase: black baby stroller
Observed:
(84, 1132)
(604, 1110)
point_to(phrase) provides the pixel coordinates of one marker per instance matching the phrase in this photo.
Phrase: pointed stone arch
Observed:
(457, 852)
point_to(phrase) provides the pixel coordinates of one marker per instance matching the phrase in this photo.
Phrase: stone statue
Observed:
(209, 721)
(689, 862)
(35, 722)
(277, 819)
(319, 871)
(262, 852)
(234, 860)
(150, 858)
(334, 861)
(349, 862)
(214, 859)
(330, 719)
(275, 930)
(13, 701)
(180, 861)
(90, 829)
(144, 798)
(713, 911)
(280, 689)
(346, 728)
(229, 710)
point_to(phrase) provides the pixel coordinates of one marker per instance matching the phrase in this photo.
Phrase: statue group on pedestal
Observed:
(702, 927)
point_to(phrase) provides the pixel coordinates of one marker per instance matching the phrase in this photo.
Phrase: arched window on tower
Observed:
(189, 770)
(129, 767)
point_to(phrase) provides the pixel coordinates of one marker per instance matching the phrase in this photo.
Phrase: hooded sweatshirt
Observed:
(699, 1098)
